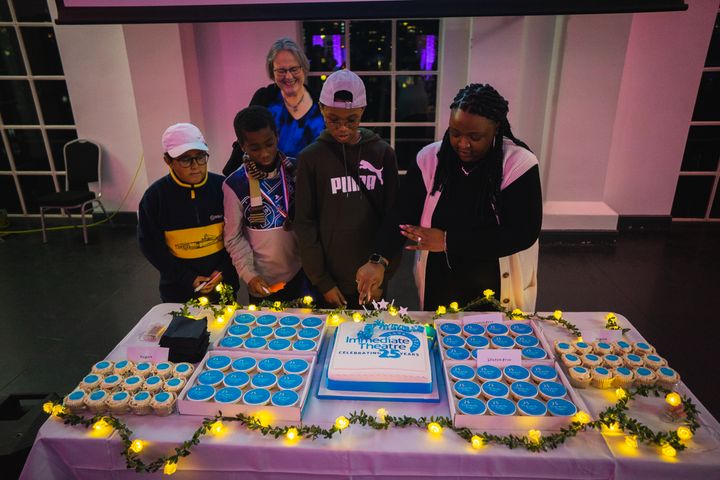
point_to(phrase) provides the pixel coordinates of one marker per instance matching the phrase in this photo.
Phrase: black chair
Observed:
(82, 166)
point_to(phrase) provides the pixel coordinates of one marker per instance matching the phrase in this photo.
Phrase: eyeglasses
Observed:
(201, 159)
(281, 72)
(342, 123)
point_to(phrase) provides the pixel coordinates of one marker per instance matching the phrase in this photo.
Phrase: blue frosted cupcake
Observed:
(289, 321)
(559, 407)
(309, 333)
(495, 329)
(144, 369)
(523, 389)
(95, 401)
(140, 403)
(531, 407)
(502, 342)
(533, 353)
(667, 377)
(256, 396)
(219, 362)
(514, 373)
(493, 389)
(285, 398)
(264, 380)
(236, 379)
(183, 369)
(501, 407)
(520, 328)
(119, 403)
(174, 385)
(228, 395)
(244, 364)
(231, 343)
(211, 378)
(583, 348)
(133, 383)
(255, 343)
(164, 369)
(163, 403)
(111, 382)
(473, 329)
(550, 390)
(477, 341)
(457, 353)
(563, 347)
(489, 372)
(570, 360)
(601, 377)
(269, 365)
(471, 406)
(622, 347)
(239, 331)
(123, 367)
(450, 328)
(266, 320)
(244, 319)
(542, 373)
(290, 381)
(75, 401)
(104, 367)
(279, 344)
(461, 372)
(296, 365)
(453, 341)
(201, 393)
(286, 332)
(524, 341)
(90, 382)
(262, 331)
(311, 322)
(645, 376)
(466, 388)
(153, 384)
(642, 348)
(304, 345)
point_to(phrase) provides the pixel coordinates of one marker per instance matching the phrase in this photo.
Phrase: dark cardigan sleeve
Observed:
(520, 221)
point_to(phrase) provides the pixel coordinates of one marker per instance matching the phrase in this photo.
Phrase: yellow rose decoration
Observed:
(488, 293)
(441, 310)
(517, 313)
(557, 314)
(454, 306)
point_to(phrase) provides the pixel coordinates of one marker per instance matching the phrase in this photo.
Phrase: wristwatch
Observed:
(378, 259)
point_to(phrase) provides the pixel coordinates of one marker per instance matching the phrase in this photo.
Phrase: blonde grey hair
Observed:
(287, 45)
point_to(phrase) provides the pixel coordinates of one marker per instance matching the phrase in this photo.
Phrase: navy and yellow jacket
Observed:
(180, 231)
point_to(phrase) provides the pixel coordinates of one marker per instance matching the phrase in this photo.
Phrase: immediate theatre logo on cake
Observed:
(394, 341)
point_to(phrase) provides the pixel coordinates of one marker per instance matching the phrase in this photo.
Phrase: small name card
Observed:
(483, 317)
(141, 353)
(601, 335)
(498, 358)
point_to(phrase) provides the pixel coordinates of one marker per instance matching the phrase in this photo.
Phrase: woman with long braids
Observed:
(472, 207)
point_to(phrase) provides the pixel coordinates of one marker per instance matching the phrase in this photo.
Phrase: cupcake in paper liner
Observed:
(111, 382)
(91, 382)
(75, 401)
(95, 401)
(642, 348)
(563, 347)
(579, 377)
(654, 361)
(144, 369)
(570, 360)
(174, 385)
(153, 384)
(164, 370)
(590, 360)
(119, 403)
(623, 377)
(633, 360)
(583, 348)
(645, 376)
(613, 361)
(123, 367)
(667, 377)
(104, 367)
(601, 377)
(132, 384)
(163, 403)
(183, 370)
(622, 347)
(140, 403)
(602, 348)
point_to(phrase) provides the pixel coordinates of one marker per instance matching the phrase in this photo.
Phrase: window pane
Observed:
(11, 62)
(702, 150)
(409, 141)
(707, 106)
(42, 50)
(34, 186)
(4, 161)
(370, 45)
(4, 12)
(28, 150)
(58, 139)
(692, 196)
(384, 132)
(9, 199)
(713, 55)
(31, 10)
(55, 102)
(16, 103)
(416, 98)
(715, 210)
(378, 96)
(325, 45)
(417, 44)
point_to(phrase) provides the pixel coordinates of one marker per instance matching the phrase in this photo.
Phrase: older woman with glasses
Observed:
(295, 110)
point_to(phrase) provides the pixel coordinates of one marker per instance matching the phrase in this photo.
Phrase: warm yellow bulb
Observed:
(614, 427)
(557, 314)
(673, 399)
(610, 315)
(219, 287)
(341, 422)
(217, 428)
(620, 393)
(631, 441)
(137, 446)
(392, 311)
(277, 305)
(48, 407)
(307, 300)
(220, 319)
(291, 434)
(357, 317)
(381, 414)
(582, 417)
(203, 301)
(477, 442)
(434, 428)
(441, 310)
(57, 410)
(100, 425)
(668, 450)
(170, 468)
(334, 319)
(684, 433)
(252, 308)
(535, 436)
(229, 310)
(454, 306)
(579, 339)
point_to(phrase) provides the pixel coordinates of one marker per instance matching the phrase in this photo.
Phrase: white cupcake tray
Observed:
(515, 422)
(278, 414)
(318, 342)
(493, 318)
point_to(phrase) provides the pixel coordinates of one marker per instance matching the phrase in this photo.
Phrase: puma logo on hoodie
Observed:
(348, 184)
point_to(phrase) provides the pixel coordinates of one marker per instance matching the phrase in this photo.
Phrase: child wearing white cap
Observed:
(180, 220)
(346, 181)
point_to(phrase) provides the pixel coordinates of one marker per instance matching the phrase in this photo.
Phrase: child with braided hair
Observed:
(472, 207)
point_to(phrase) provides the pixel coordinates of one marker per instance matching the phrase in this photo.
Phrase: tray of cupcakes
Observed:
(515, 396)
(125, 387)
(279, 333)
(461, 339)
(622, 363)
(249, 382)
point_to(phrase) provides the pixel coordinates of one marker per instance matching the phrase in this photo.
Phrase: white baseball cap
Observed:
(347, 81)
(181, 137)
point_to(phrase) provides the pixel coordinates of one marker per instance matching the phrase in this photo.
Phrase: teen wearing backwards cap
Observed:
(346, 181)
(180, 226)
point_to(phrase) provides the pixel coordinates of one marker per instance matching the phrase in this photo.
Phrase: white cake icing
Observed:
(395, 359)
